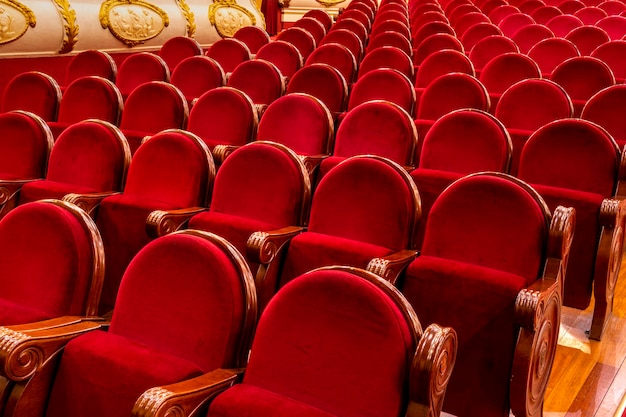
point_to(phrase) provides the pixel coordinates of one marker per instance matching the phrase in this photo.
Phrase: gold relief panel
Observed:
(132, 21)
(228, 17)
(15, 18)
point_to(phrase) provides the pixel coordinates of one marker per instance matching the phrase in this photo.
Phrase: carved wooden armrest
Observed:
(53, 323)
(221, 152)
(312, 161)
(8, 193)
(22, 354)
(163, 222)
(184, 398)
(260, 108)
(431, 370)
(391, 266)
(87, 202)
(620, 191)
(262, 247)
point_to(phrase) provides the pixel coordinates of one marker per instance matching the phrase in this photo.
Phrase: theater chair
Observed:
(459, 143)
(530, 35)
(390, 25)
(34, 92)
(300, 38)
(376, 127)
(364, 208)
(478, 32)
(563, 24)
(261, 80)
(528, 105)
(91, 63)
(253, 37)
(88, 98)
(576, 163)
(611, 53)
(176, 49)
(587, 38)
(284, 55)
(323, 82)
(313, 26)
(394, 39)
(138, 69)
(419, 34)
(606, 108)
(336, 342)
(356, 20)
(489, 48)
(515, 22)
(337, 56)
(346, 38)
(196, 75)
(321, 16)
(469, 20)
(499, 13)
(440, 63)
(543, 14)
(492, 266)
(151, 108)
(550, 53)
(261, 199)
(172, 170)
(435, 43)
(186, 307)
(383, 84)
(615, 26)
(590, 15)
(387, 57)
(229, 53)
(25, 146)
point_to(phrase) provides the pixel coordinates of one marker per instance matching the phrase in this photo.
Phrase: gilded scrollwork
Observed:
(15, 19)
(70, 35)
(133, 21)
(189, 17)
(228, 17)
(329, 3)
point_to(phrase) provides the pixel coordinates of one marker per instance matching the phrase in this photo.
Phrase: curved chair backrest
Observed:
(435, 43)
(225, 116)
(261, 80)
(490, 47)
(500, 12)
(606, 108)
(141, 68)
(393, 39)
(337, 56)
(469, 20)
(615, 26)
(430, 29)
(323, 82)
(420, 20)
(253, 36)
(196, 75)
(299, 121)
(284, 55)
(582, 77)
(477, 32)
(229, 53)
(91, 62)
(612, 7)
(505, 70)
(346, 38)
(25, 145)
(612, 54)
(563, 24)
(176, 49)
(352, 25)
(529, 6)
(313, 26)
(461, 11)
(300, 38)
(91, 98)
(489, 5)
(529, 35)
(383, 84)
(572, 6)
(33, 92)
(387, 57)
(360, 16)
(587, 38)
(322, 16)
(452, 92)
(514, 22)
(442, 62)
(391, 25)
(590, 15)
(543, 14)
(53, 262)
(550, 53)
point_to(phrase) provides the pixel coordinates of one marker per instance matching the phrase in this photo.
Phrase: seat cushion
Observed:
(39, 190)
(102, 374)
(14, 313)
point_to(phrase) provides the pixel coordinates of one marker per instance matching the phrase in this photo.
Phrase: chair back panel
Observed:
(34, 92)
(153, 107)
(26, 143)
(323, 82)
(91, 63)
(91, 98)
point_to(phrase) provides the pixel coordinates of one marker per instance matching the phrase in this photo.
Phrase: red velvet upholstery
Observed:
(550, 53)
(365, 207)
(590, 15)
(89, 157)
(176, 49)
(383, 84)
(528, 105)
(300, 38)
(224, 116)
(478, 32)
(612, 7)
(528, 6)
(323, 82)
(173, 169)
(418, 20)
(612, 54)
(499, 13)
(352, 25)
(141, 68)
(335, 55)
(253, 36)
(530, 35)
(587, 38)
(34, 92)
(308, 360)
(390, 39)
(574, 162)
(572, 6)
(582, 77)
(419, 34)
(615, 26)
(229, 52)
(440, 63)
(181, 311)
(514, 22)
(260, 80)
(346, 38)
(505, 70)
(25, 144)
(387, 57)
(435, 43)
(300, 122)
(151, 108)
(469, 20)
(470, 259)
(489, 5)
(460, 11)
(563, 24)
(50, 260)
(284, 55)
(606, 108)
(88, 98)
(322, 16)
(489, 48)
(196, 75)
(313, 26)
(91, 62)
(360, 16)
(387, 25)
(543, 14)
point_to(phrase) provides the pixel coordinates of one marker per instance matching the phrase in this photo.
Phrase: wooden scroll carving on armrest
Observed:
(620, 191)
(8, 194)
(311, 162)
(87, 202)
(163, 222)
(390, 267)
(264, 247)
(221, 152)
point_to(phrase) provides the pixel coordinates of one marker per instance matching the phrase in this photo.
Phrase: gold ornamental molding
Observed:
(329, 3)
(15, 18)
(133, 21)
(70, 35)
(189, 17)
(228, 17)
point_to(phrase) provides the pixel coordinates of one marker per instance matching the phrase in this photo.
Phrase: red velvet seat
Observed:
(612, 7)
(435, 43)
(173, 169)
(528, 105)
(88, 157)
(392, 14)
(543, 14)
(572, 6)
(478, 32)
(419, 20)
(196, 75)
(491, 242)
(88, 63)
(284, 55)
(442, 62)
(461, 11)
(322, 16)
(606, 108)
(468, 21)
(430, 29)
(530, 35)
(313, 26)
(550, 53)
(489, 5)
(88, 98)
(337, 56)
(364, 18)
(229, 53)
(587, 38)
(176, 49)
(499, 13)
(346, 38)
(582, 77)
(576, 163)
(615, 26)
(223, 116)
(151, 108)
(364, 208)
(354, 26)
(387, 57)
(140, 68)
(612, 53)
(459, 143)
(590, 15)
(300, 38)
(383, 84)
(393, 39)
(490, 47)
(261, 80)
(324, 82)
(33, 92)
(390, 25)
(563, 24)
(514, 22)
(253, 37)
(529, 6)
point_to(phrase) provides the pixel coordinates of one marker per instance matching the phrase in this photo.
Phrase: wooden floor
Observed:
(589, 378)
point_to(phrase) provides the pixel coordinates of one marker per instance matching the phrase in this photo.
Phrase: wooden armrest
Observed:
(432, 366)
(145, 139)
(53, 323)
(620, 191)
(163, 222)
(260, 109)
(312, 161)
(221, 152)
(391, 266)
(22, 354)
(262, 247)
(184, 398)
(8, 189)
(87, 202)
